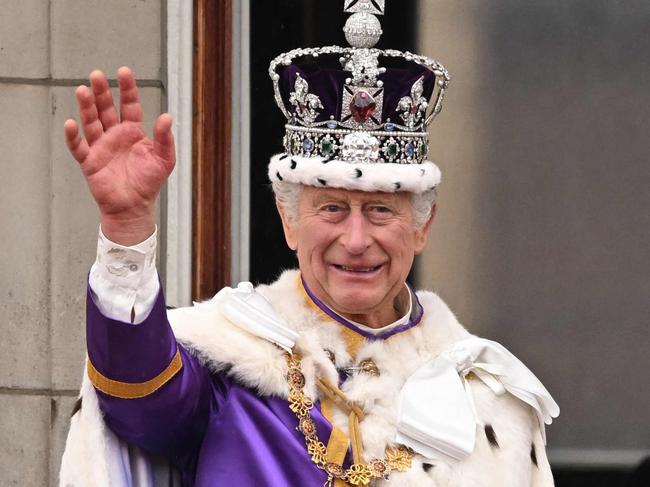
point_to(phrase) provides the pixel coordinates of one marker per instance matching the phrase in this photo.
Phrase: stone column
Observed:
(48, 220)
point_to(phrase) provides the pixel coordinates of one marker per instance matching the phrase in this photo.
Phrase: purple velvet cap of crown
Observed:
(326, 79)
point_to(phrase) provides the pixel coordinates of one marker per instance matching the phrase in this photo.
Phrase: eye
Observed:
(379, 213)
(332, 208)
(380, 209)
(333, 212)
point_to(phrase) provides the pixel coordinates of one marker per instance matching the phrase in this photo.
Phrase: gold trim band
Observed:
(126, 390)
(338, 443)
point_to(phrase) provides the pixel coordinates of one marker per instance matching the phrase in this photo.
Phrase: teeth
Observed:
(351, 269)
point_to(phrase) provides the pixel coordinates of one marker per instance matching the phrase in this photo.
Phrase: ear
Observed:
(290, 232)
(422, 234)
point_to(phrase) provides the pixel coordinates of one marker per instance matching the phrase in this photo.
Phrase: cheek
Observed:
(401, 242)
(314, 239)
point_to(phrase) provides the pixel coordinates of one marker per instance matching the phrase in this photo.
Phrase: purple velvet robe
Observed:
(216, 431)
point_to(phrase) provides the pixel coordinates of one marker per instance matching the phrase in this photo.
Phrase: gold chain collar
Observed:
(360, 474)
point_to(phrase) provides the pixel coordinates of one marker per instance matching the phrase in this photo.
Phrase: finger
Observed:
(90, 123)
(76, 144)
(103, 99)
(163, 140)
(130, 107)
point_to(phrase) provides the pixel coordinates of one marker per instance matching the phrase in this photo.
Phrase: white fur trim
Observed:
(94, 456)
(219, 345)
(222, 346)
(385, 177)
(514, 422)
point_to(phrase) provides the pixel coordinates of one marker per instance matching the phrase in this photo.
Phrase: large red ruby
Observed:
(362, 106)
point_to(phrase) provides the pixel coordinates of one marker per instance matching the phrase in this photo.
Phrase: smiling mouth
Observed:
(359, 270)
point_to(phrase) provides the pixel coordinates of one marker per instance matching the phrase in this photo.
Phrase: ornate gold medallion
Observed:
(369, 367)
(359, 474)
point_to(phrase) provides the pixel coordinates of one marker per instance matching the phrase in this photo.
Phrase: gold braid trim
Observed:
(359, 474)
(338, 443)
(127, 390)
(335, 395)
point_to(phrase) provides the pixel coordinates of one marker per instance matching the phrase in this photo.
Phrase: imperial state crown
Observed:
(357, 116)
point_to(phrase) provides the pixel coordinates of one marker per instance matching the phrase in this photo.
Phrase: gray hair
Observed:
(287, 195)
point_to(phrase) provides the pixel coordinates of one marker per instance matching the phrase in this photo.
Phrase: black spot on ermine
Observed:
(358, 173)
(533, 454)
(293, 163)
(397, 186)
(283, 156)
(427, 466)
(491, 436)
(279, 177)
(322, 181)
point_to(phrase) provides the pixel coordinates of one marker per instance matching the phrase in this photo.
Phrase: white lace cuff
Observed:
(124, 279)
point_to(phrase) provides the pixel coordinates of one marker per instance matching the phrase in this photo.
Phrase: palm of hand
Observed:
(124, 169)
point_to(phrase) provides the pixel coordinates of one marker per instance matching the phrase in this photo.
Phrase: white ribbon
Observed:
(485, 372)
(248, 309)
(437, 416)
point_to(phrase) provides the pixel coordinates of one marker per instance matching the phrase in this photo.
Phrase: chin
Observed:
(355, 302)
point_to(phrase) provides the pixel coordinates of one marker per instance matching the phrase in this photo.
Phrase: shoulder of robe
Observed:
(510, 449)
(252, 361)
(223, 347)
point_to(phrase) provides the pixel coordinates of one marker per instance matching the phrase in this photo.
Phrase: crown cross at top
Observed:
(375, 7)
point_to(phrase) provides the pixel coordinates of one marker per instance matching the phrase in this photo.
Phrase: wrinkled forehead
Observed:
(313, 196)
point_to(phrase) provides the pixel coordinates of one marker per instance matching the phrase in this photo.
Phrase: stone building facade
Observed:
(48, 219)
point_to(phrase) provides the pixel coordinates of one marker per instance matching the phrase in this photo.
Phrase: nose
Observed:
(356, 238)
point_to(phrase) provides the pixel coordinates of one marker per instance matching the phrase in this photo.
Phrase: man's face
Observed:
(355, 249)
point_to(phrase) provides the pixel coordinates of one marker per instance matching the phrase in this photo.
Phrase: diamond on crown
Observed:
(362, 30)
(364, 66)
(375, 7)
(307, 104)
(360, 147)
(414, 107)
(356, 130)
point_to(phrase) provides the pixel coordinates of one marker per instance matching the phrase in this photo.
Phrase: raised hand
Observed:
(124, 169)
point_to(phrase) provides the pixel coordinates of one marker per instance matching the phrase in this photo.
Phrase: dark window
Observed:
(278, 26)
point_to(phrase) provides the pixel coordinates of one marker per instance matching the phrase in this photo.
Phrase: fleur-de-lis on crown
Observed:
(307, 104)
(414, 106)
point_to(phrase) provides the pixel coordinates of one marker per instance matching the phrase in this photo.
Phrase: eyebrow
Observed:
(321, 198)
(379, 201)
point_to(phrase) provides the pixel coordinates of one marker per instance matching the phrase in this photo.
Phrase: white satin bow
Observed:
(248, 309)
(437, 415)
